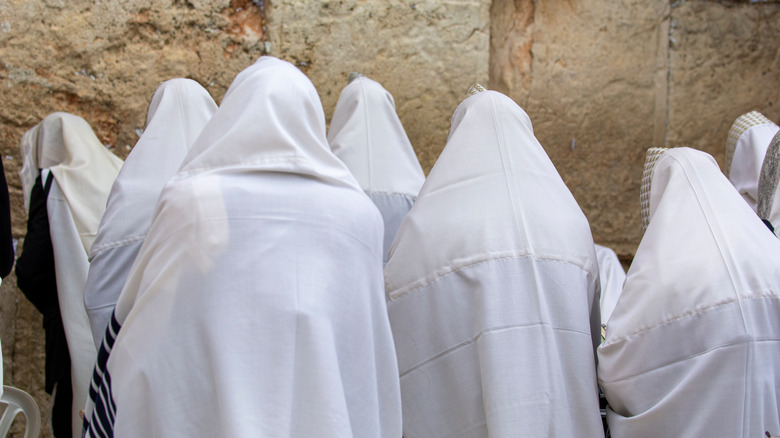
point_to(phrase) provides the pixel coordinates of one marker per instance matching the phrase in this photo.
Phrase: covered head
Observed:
(177, 114)
(83, 168)
(492, 288)
(367, 135)
(746, 147)
(255, 306)
(692, 343)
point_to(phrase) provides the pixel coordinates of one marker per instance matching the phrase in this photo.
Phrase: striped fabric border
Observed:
(101, 421)
(742, 124)
(653, 154)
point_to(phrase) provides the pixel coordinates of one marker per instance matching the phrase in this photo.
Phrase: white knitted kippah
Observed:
(767, 181)
(653, 154)
(742, 124)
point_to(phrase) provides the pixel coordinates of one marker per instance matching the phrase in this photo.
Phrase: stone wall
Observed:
(601, 81)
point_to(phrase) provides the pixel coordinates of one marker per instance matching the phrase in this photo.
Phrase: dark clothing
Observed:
(36, 278)
(6, 239)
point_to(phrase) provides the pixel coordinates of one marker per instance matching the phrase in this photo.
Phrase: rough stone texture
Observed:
(724, 62)
(589, 75)
(425, 53)
(601, 81)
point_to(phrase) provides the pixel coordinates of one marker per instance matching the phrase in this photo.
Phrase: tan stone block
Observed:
(426, 54)
(724, 62)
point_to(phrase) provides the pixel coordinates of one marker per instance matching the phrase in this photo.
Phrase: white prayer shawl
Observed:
(83, 171)
(748, 139)
(178, 112)
(366, 134)
(693, 345)
(612, 277)
(493, 289)
(255, 306)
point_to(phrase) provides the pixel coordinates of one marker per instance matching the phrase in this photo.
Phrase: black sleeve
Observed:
(35, 273)
(6, 239)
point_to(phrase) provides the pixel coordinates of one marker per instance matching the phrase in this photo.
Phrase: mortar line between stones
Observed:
(668, 74)
(672, 5)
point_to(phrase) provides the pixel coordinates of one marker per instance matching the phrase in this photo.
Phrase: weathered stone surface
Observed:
(425, 53)
(591, 76)
(724, 62)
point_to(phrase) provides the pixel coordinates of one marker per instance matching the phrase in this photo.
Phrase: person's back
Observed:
(693, 343)
(492, 287)
(255, 306)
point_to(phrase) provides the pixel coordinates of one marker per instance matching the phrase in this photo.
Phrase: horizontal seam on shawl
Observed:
(243, 164)
(695, 312)
(682, 359)
(486, 331)
(102, 306)
(115, 244)
(385, 192)
(444, 271)
(344, 230)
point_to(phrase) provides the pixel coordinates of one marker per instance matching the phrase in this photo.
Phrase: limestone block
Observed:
(591, 76)
(426, 53)
(724, 62)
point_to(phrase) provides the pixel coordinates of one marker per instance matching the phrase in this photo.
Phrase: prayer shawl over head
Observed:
(83, 171)
(746, 146)
(612, 276)
(178, 112)
(255, 306)
(493, 289)
(368, 137)
(768, 202)
(693, 345)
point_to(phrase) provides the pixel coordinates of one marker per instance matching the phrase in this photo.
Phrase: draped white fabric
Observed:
(612, 277)
(366, 134)
(693, 343)
(178, 112)
(255, 306)
(83, 171)
(493, 289)
(749, 138)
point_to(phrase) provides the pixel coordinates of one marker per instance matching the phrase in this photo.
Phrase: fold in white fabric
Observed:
(83, 171)
(748, 139)
(255, 306)
(612, 277)
(367, 135)
(178, 112)
(693, 343)
(493, 289)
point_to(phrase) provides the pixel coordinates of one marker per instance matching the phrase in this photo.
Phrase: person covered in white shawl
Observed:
(178, 112)
(66, 177)
(612, 276)
(255, 306)
(693, 344)
(746, 146)
(768, 208)
(493, 289)
(367, 135)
